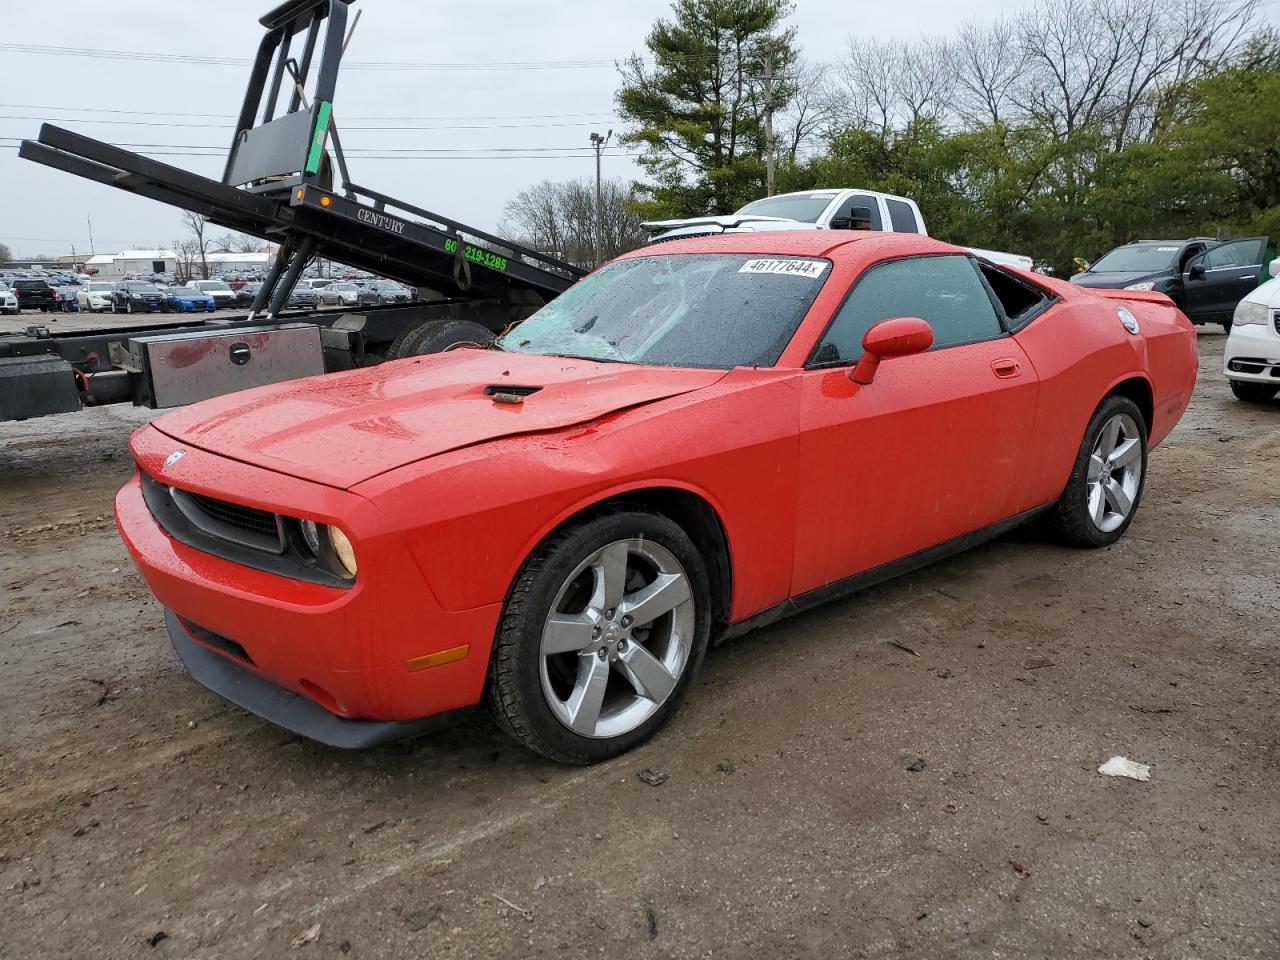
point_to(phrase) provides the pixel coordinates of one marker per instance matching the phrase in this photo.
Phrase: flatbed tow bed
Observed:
(278, 185)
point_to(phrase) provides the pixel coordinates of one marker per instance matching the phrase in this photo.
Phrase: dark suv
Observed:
(136, 296)
(35, 294)
(1206, 278)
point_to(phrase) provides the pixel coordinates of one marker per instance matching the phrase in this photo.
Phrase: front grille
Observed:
(1275, 319)
(256, 538)
(231, 521)
(241, 517)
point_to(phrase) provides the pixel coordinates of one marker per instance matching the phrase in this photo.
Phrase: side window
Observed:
(1020, 301)
(1188, 255)
(902, 217)
(1238, 253)
(862, 200)
(944, 291)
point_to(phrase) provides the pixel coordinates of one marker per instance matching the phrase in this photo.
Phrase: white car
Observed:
(8, 301)
(223, 295)
(1252, 362)
(95, 295)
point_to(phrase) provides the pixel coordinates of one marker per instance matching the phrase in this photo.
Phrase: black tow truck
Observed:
(286, 181)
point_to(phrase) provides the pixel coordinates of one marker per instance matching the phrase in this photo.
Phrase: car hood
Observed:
(341, 429)
(1114, 281)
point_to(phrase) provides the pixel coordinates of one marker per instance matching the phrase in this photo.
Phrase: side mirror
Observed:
(859, 219)
(898, 337)
(1274, 268)
(1081, 264)
(1195, 271)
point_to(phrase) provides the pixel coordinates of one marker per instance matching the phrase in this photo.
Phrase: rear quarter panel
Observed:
(1081, 352)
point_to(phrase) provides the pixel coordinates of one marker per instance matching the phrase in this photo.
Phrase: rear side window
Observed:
(902, 217)
(1020, 301)
(945, 291)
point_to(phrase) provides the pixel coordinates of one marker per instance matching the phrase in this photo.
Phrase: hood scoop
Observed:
(509, 393)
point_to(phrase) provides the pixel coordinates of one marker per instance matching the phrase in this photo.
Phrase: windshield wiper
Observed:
(574, 356)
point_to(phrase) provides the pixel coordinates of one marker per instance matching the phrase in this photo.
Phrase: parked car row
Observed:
(151, 292)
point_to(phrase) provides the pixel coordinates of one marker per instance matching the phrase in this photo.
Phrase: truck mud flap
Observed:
(36, 387)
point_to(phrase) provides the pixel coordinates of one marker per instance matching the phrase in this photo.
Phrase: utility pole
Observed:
(768, 124)
(89, 217)
(599, 142)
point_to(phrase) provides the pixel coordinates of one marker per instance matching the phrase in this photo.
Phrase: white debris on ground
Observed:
(1124, 767)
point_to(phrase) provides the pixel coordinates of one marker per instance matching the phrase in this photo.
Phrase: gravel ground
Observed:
(828, 794)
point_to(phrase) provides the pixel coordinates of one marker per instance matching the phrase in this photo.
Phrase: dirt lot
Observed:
(828, 794)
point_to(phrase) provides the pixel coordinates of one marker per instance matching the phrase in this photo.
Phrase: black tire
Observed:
(1226, 326)
(437, 336)
(514, 688)
(1252, 392)
(1069, 517)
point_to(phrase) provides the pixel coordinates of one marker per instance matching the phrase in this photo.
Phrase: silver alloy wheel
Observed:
(1115, 472)
(617, 640)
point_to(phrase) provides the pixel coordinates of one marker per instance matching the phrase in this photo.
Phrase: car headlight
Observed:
(1145, 285)
(329, 545)
(136, 296)
(342, 547)
(1248, 312)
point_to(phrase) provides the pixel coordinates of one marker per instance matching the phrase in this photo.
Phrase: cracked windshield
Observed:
(689, 310)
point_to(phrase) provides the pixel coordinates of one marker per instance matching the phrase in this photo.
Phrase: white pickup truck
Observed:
(819, 210)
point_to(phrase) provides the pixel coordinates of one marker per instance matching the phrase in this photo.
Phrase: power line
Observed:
(232, 116)
(345, 126)
(358, 151)
(370, 156)
(462, 66)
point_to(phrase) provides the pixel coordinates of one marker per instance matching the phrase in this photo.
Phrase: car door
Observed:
(1216, 280)
(927, 452)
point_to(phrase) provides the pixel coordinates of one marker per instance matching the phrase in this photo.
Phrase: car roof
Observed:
(800, 243)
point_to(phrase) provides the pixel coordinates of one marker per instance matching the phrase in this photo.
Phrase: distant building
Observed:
(228, 263)
(114, 266)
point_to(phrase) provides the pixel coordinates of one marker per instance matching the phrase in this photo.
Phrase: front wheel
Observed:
(602, 633)
(1105, 487)
(1253, 392)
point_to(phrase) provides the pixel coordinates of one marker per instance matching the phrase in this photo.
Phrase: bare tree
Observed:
(238, 243)
(814, 107)
(1098, 62)
(987, 62)
(197, 225)
(559, 218)
(894, 84)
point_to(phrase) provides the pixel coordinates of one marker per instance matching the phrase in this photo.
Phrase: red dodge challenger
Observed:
(698, 438)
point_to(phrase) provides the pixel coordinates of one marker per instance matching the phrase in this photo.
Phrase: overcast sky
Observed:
(534, 108)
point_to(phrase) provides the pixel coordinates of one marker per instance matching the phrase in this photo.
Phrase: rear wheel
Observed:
(1252, 392)
(1105, 487)
(602, 632)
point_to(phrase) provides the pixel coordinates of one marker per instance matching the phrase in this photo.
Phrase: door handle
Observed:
(1006, 367)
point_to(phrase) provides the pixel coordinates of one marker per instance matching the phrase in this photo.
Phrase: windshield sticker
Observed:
(811, 269)
(1166, 249)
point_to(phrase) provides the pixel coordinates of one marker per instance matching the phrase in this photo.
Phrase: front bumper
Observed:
(191, 306)
(1253, 353)
(359, 653)
(238, 683)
